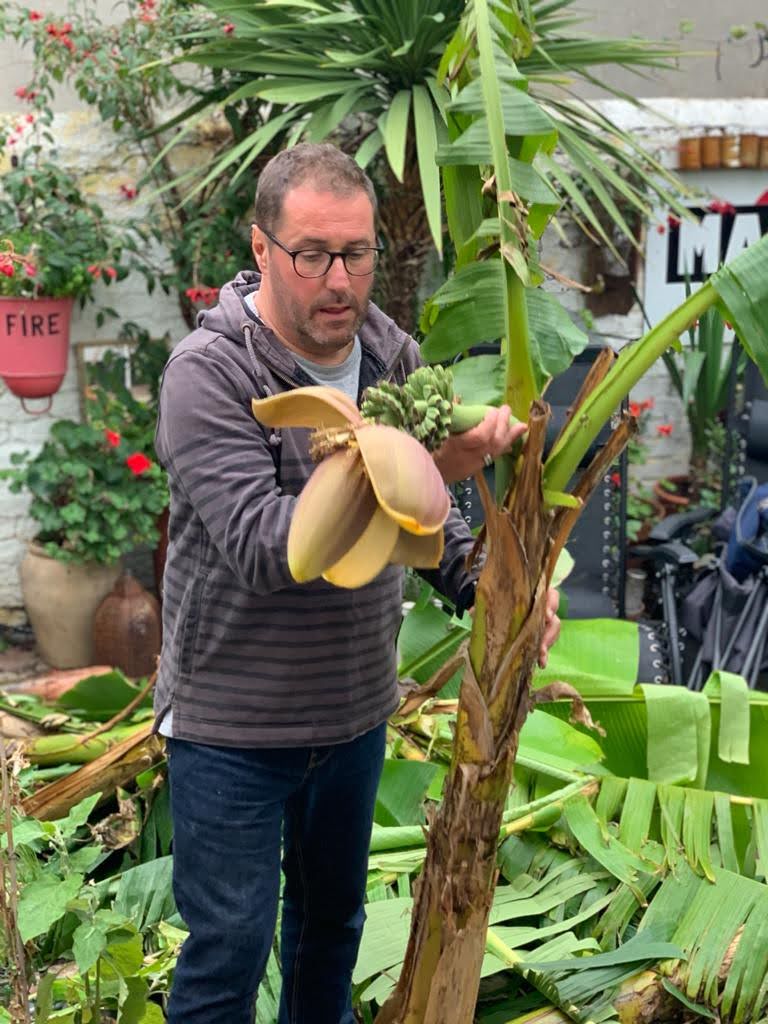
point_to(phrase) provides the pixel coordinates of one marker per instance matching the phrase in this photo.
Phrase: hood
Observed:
(379, 333)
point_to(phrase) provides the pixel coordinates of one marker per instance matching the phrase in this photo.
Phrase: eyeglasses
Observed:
(317, 262)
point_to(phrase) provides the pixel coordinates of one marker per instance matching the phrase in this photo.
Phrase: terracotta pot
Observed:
(729, 151)
(689, 153)
(710, 151)
(749, 150)
(673, 501)
(61, 599)
(34, 345)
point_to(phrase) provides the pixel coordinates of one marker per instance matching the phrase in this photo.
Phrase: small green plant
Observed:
(94, 495)
(55, 242)
(79, 933)
(119, 69)
(700, 373)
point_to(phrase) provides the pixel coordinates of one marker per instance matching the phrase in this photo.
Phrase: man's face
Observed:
(317, 317)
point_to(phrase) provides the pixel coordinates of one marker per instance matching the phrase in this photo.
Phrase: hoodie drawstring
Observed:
(274, 438)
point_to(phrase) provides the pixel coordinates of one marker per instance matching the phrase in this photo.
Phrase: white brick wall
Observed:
(85, 145)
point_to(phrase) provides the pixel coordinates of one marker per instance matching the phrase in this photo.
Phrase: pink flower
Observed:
(648, 403)
(113, 438)
(6, 266)
(30, 270)
(129, 192)
(110, 272)
(35, 15)
(138, 463)
(94, 270)
(228, 28)
(20, 93)
(29, 118)
(664, 429)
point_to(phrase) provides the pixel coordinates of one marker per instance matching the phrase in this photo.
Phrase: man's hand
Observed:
(462, 455)
(552, 630)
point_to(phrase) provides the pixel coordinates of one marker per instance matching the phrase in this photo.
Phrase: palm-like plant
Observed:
(366, 72)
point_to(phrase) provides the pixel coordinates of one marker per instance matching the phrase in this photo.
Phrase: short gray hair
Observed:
(321, 164)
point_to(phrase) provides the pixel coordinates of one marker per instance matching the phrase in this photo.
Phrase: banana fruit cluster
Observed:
(423, 406)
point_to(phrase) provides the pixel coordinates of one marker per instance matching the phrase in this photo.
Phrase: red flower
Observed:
(228, 29)
(110, 272)
(128, 191)
(721, 206)
(35, 15)
(6, 266)
(204, 294)
(30, 270)
(635, 409)
(661, 229)
(113, 438)
(21, 92)
(616, 479)
(673, 221)
(94, 270)
(29, 118)
(664, 429)
(647, 404)
(138, 463)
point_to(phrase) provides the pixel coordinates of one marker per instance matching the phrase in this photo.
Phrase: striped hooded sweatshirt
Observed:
(250, 658)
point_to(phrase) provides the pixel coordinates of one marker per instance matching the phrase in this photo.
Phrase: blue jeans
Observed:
(230, 808)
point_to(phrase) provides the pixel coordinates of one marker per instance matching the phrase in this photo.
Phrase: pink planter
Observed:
(34, 345)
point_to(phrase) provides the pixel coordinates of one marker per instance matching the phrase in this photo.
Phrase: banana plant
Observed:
(365, 72)
(491, 162)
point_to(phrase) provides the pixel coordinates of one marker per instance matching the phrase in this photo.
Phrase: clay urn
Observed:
(126, 628)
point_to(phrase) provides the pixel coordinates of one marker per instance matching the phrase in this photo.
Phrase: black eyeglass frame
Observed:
(293, 253)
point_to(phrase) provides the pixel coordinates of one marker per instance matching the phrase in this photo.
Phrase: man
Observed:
(273, 695)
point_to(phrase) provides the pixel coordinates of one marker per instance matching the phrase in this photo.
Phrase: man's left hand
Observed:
(552, 630)
(463, 455)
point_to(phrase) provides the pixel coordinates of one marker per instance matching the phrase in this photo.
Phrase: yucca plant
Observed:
(366, 73)
(496, 186)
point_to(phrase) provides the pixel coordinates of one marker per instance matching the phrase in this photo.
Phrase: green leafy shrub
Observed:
(94, 495)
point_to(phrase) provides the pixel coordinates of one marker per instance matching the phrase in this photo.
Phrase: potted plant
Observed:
(55, 243)
(110, 400)
(700, 374)
(95, 496)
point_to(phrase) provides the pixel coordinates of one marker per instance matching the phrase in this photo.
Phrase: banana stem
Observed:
(464, 417)
(632, 363)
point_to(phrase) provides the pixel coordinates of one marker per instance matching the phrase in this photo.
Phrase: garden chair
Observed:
(720, 618)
